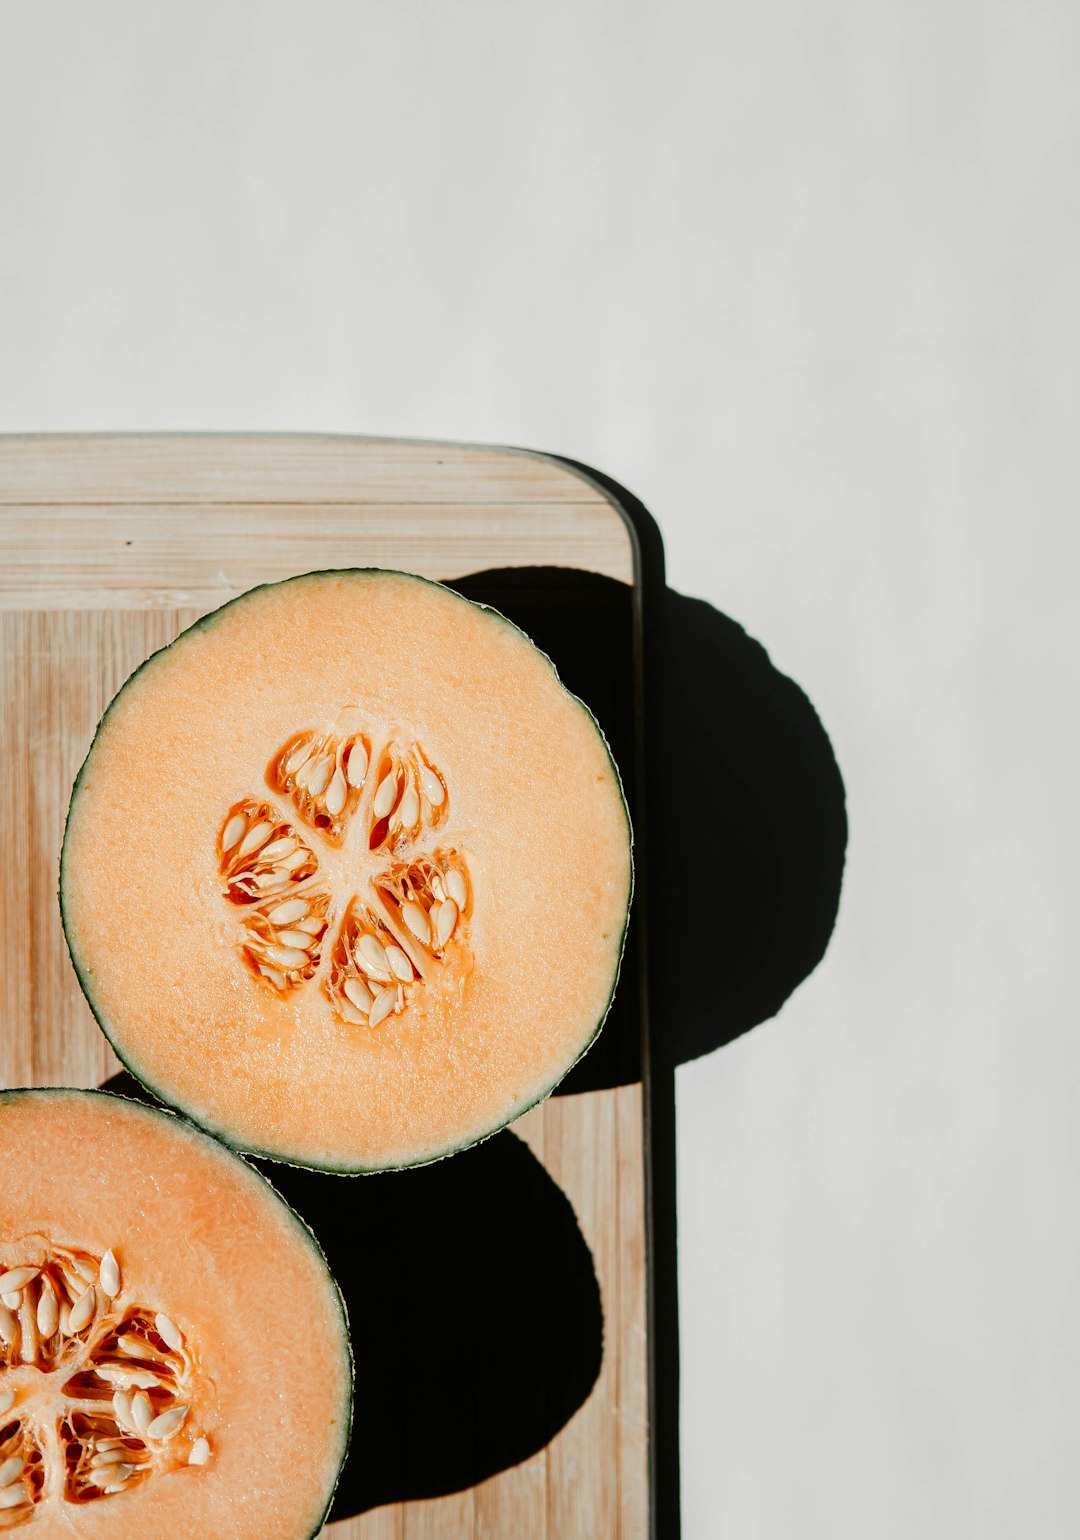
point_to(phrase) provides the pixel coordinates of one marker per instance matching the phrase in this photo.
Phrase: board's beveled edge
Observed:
(166, 468)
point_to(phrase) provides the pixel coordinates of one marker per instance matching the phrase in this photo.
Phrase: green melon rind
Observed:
(194, 1131)
(223, 1134)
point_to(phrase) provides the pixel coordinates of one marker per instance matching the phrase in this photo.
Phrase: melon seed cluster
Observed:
(265, 862)
(96, 1391)
(403, 895)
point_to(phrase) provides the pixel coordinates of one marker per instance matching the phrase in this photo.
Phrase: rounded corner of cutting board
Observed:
(190, 520)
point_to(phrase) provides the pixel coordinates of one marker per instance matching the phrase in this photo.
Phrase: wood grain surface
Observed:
(112, 545)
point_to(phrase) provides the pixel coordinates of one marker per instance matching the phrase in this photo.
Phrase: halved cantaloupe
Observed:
(149, 1278)
(347, 872)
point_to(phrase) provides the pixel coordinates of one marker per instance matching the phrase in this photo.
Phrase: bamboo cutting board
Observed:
(111, 546)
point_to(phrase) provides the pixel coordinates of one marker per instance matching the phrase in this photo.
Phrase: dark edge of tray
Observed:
(657, 1063)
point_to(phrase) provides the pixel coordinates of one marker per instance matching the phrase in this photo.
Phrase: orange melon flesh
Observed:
(201, 1237)
(534, 806)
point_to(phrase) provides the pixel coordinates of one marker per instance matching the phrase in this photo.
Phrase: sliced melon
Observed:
(347, 871)
(174, 1354)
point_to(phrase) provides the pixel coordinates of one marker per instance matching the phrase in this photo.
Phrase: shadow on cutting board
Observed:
(474, 1310)
(746, 825)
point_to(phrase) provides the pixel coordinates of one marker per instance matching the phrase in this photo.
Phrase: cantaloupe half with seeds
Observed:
(347, 872)
(174, 1354)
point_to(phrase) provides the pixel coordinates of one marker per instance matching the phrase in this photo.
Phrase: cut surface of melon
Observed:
(347, 871)
(153, 1292)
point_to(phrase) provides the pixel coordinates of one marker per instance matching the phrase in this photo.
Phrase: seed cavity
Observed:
(391, 937)
(125, 1374)
(270, 917)
(322, 775)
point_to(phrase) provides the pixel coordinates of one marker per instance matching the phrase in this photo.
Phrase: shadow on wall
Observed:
(746, 828)
(747, 849)
(474, 1310)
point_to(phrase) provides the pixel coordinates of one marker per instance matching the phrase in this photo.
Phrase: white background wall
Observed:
(805, 278)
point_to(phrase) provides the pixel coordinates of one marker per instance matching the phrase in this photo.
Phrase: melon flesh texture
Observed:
(534, 808)
(202, 1238)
